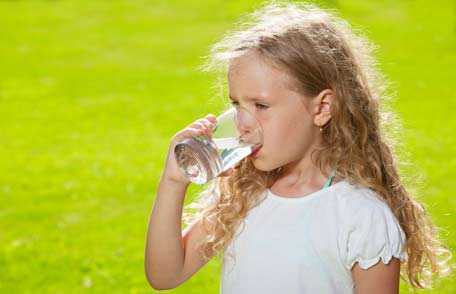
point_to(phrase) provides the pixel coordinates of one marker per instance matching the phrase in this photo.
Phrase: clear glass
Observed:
(236, 135)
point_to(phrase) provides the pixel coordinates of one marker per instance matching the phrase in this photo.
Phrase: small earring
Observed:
(321, 129)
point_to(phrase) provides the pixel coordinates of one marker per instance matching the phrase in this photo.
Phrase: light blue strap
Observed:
(329, 181)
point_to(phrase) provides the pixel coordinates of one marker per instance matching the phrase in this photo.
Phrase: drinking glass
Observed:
(236, 135)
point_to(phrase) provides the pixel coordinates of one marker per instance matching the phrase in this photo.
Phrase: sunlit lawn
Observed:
(92, 91)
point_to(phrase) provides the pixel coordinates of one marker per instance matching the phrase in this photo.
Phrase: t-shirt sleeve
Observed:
(373, 234)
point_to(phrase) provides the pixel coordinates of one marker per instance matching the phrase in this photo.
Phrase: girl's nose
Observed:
(245, 122)
(247, 126)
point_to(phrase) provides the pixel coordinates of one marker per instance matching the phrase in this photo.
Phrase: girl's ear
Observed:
(323, 107)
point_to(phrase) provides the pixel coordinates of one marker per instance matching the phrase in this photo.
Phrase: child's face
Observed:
(288, 124)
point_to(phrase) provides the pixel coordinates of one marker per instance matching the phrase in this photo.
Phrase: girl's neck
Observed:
(300, 183)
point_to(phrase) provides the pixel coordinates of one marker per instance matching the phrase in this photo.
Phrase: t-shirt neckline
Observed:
(305, 198)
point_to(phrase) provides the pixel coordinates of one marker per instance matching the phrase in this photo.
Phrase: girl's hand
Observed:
(203, 126)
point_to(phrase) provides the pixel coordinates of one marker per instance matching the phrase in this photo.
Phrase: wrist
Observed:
(169, 181)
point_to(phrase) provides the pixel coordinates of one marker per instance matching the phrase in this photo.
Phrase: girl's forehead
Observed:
(243, 70)
(248, 61)
(251, 68)
(262, 85)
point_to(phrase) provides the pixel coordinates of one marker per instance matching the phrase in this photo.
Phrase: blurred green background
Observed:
(92, 91)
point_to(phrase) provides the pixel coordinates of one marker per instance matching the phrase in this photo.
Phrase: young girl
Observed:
(321, 207)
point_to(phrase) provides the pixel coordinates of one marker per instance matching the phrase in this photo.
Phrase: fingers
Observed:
(186, 133)
(212, 118)
(202, 126)
(206, 124)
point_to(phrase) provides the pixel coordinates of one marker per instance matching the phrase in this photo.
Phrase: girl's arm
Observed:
(171, 258)
(378, 279)
(164, 256)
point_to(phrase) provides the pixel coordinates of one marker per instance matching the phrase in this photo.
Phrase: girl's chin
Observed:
(259, 164)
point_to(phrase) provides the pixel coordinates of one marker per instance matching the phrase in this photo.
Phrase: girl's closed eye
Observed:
(258, 105)
(261, 106)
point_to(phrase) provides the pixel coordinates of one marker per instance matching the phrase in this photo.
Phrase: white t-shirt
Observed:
(309, 244)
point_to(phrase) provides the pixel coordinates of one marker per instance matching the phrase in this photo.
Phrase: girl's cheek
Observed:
(263, 117)
(264, 126)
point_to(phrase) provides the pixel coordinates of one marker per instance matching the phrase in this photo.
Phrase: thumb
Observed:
(211, 117)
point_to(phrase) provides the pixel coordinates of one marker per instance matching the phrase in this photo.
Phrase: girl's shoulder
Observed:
(357, 198)
(358, 205)
(371, 231)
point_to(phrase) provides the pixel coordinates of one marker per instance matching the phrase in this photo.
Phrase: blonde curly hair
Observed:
(320, 50)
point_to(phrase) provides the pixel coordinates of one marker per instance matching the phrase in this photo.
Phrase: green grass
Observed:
(92, 91)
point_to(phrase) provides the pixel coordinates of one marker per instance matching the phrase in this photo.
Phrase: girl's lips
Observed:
(255, 151)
